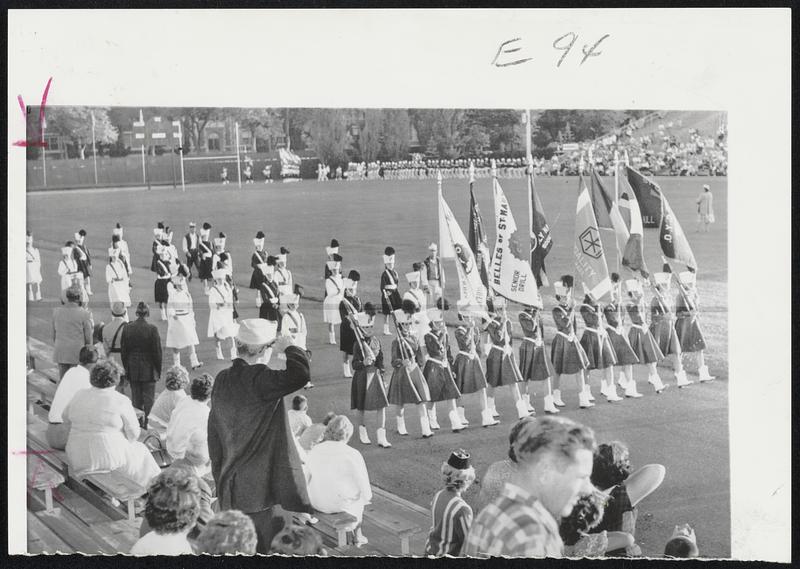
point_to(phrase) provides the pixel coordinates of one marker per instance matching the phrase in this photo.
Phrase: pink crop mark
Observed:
(40, 143)
(38, 469)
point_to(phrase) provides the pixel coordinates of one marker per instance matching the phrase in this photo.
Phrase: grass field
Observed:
(686, 430)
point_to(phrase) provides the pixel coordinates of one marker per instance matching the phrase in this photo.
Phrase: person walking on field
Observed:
(72, 330)
(705, 209)
(141, 358)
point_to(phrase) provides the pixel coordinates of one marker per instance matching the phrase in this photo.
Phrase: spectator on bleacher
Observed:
(104, 431)
(314, 433)
(74, 380)
(451, 515)
(187, 433)
(612, 475)
(299, 540)
(255, 464)
(112, 338)
(173, 504)
(141, 358)
(554, 458)
(228, 533)
(339, 481)
(683, 543)
(176, 380)
(499, 472)
(72, 330)
(298, 415)
(585, 516)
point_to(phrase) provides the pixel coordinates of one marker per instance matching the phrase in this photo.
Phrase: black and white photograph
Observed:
(373, 324)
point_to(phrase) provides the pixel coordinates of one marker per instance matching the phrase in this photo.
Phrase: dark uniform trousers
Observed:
(143, 395)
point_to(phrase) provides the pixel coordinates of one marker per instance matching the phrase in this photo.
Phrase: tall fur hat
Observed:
(370, 309)
(334, 243)
(568, 281)
(409, 306)
(284, 251)
(206, 225)
(389, 251)
(337, 258)
(271, 260)
(354, 275)
(614, 277)
(260, 235)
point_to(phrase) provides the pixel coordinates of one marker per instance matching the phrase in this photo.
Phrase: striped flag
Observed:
(633, 250)
(541, 241)
(607, 211)
(590, 258)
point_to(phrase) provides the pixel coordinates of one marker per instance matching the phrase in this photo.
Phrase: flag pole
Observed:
(180, 149)
(144, 171)
(44, 152)
(238, 162)
(441, 245)
(616, 199)
(94, 149)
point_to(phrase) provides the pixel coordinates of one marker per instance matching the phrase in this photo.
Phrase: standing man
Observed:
(433, 271)
(141, 357)
(705, 209)
(254, 461)
(191, 244)
(554, 459)
(72, 330)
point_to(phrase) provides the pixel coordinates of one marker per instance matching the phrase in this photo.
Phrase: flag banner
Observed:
(673, 240)
(477, 239)
(590, 259)
(648, 193)
(541, 241)
(510, 272)
(633, 251)
(471, 288)
(603, 202)
(290, 163)
(446, 250)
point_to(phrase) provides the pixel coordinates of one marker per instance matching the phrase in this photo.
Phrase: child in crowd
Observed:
(452, 516)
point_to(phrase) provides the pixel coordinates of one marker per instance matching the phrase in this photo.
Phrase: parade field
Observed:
(686, 430)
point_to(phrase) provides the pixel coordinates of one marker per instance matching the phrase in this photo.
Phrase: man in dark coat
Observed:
(140, 347)
(72, 330)
(254, 460)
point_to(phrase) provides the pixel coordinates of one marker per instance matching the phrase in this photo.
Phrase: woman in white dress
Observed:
(70, 273)
(181, 332)
(117, 279)
(125, 253)
(334, 292)
(220, 316)
(33, 269)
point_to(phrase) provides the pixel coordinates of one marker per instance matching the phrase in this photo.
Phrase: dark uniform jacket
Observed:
(141, 351)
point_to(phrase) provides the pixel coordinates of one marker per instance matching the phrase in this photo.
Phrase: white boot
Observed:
(163, 314)
(386, 331)
(382, 442)
(583, 399)
(611, 392)
(434, 422)
(346, 369)
(623, 379)
(522, 409)
(363, 436)
(219, 353)
(258, 300)
(656, 382)
(526, 397)
(462, 416)
(549, 405)
(557, 398)
(487, 420)
(681, 379)
(234, 352)
(425, 425)
(455, 423)
(631, 391)
(703, 374)
(491, 407)
(588, 391)
(30, 294)
(194, 362)
(401, 426)
(38, 294)
(332, 338)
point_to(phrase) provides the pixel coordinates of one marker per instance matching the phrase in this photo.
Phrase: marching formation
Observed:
(426, 369)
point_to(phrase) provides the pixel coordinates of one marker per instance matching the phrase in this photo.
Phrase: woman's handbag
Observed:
(160, 454)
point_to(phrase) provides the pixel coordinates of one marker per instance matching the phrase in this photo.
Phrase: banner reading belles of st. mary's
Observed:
(510, 274)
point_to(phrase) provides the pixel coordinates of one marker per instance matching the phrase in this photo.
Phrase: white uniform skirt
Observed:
(33, 272)
(181, 332)
(220, 323)
(330, 309)
(119, 292)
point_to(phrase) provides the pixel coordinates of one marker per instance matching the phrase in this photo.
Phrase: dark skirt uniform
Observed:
(407, 385)
(501, 369)
(154, 261)
(662, 327)
(534, 363)
(619, 340)
(347, 336)
(686, 325)
(84, 261)
(467, 369)
(163, 276)
(566, 352)
(594, 341)
(437, 372)
(642, 341)
(206, 264)
(366, 395)
(258, 258)
(389, 277)
(270, 300)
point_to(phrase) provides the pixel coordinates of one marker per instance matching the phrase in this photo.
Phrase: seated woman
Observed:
(297, 540)
(313, 434)
(187, 432)
(228, 533)
(338, 475)
(104, 431)
(76, 379)
(585, 516)
(173, 504)
(612, 475)
(175, 381)
(501, 471)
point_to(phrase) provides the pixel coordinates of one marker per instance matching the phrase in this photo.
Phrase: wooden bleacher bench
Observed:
(394, 524)
(41, 539)
(39, 352)
(118, 487)
(37, 445)
(44, 478)
(40, 386)
(338, 522)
